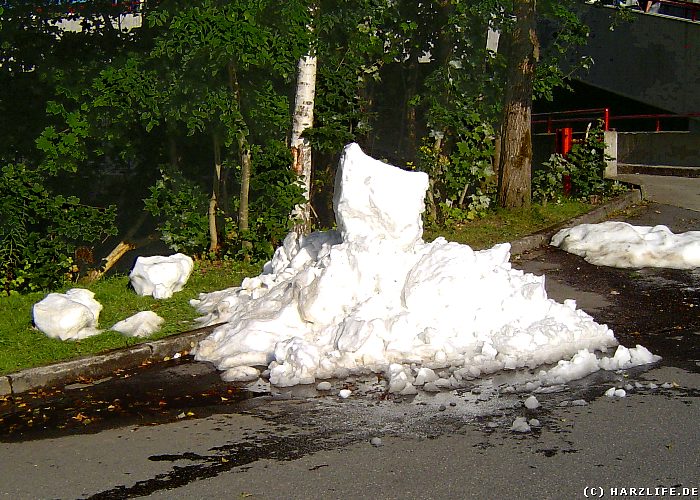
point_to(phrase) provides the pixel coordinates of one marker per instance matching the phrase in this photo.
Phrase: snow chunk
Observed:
(373, 297)
(531, 403)
(619, 244)
(374, 200)
(68, 316)
(161, 276)
(614, 392)
(141, 324)
(520, 424)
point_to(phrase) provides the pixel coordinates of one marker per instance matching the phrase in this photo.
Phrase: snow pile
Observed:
(141, 324)
(372, 296)
(585, 362)
(68, 316)
(161, 276)
(619, 244)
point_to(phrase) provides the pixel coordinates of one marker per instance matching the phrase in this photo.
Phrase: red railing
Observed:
(559, 119)
(689, 10)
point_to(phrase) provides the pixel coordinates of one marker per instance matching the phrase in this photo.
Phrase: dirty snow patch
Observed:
(619, 244)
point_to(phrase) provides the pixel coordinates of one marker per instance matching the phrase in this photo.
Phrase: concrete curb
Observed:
(603, 212)
(101, 365)
(104, 365)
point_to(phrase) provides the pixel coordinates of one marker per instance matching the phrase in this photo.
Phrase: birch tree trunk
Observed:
(214, 198)
(301, 149)
(514, 173)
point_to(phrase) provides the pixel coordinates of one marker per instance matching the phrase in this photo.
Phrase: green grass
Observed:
(503, 225)
(22, 346)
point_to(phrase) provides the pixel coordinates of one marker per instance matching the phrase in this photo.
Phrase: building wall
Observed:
(655, 59)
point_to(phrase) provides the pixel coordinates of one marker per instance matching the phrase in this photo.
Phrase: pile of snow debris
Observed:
(74, 315)
(619, 244)
(374, 297)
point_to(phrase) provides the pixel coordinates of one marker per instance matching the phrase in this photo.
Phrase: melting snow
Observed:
(161, 276)
(68, 316)
(141, 324)
(373, 296)
(619, 244)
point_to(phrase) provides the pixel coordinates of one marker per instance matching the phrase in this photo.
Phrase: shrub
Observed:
(40, 231)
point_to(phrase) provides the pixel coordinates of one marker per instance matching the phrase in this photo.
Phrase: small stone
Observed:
(442, 408)
(376, 442)
(324, 386)
(534, 422)
(345, 393)
(579, 402)
(452, 403)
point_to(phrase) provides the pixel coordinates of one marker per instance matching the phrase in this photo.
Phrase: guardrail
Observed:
(560, 119)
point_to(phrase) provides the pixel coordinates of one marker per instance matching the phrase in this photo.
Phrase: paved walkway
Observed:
(683, 192)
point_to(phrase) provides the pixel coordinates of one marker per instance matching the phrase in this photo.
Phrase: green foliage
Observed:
(461, 183)
(548, 182)
(583, 167)
(180, 206)
(274, 193)
(40, 231)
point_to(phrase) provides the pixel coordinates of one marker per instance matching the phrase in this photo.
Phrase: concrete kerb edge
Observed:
(603, 212)
(101, 365)
(105, 364)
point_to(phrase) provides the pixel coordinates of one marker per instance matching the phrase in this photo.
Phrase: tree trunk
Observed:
(125, 245)
(246, 165)
(301, 149)
(214, 198)
(514, 182)
(246, 169)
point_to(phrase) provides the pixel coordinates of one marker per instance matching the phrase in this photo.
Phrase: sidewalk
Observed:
(680, 192)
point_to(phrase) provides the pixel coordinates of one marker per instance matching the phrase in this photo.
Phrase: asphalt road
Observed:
(174, 430)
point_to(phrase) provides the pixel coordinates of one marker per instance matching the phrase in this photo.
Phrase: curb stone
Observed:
(5, 387)
(541, 238)
(103, 365)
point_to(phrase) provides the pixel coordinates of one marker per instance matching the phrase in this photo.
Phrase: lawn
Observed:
(22, 346)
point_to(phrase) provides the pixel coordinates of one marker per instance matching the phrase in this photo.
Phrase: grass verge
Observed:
(22, 346)
(503, 225)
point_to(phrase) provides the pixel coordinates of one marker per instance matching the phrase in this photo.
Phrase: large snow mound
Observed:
(619, 244)
(373, 296)
(161, 276)
(68, 316)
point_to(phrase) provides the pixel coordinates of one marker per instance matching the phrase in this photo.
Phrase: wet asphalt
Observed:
(175, 430)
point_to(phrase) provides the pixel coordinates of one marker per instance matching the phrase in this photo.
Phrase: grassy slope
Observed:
(22, 346)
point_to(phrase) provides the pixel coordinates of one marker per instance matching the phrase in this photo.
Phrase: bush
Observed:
(584, 167)
(40, 231)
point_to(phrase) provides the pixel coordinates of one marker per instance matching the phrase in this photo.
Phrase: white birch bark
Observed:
(301, 149)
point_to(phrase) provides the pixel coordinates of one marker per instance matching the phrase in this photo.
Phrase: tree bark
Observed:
(125, 245)
(514, 181)
(301, 149)
(246, 165)
(214, 198)
(246, 169)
